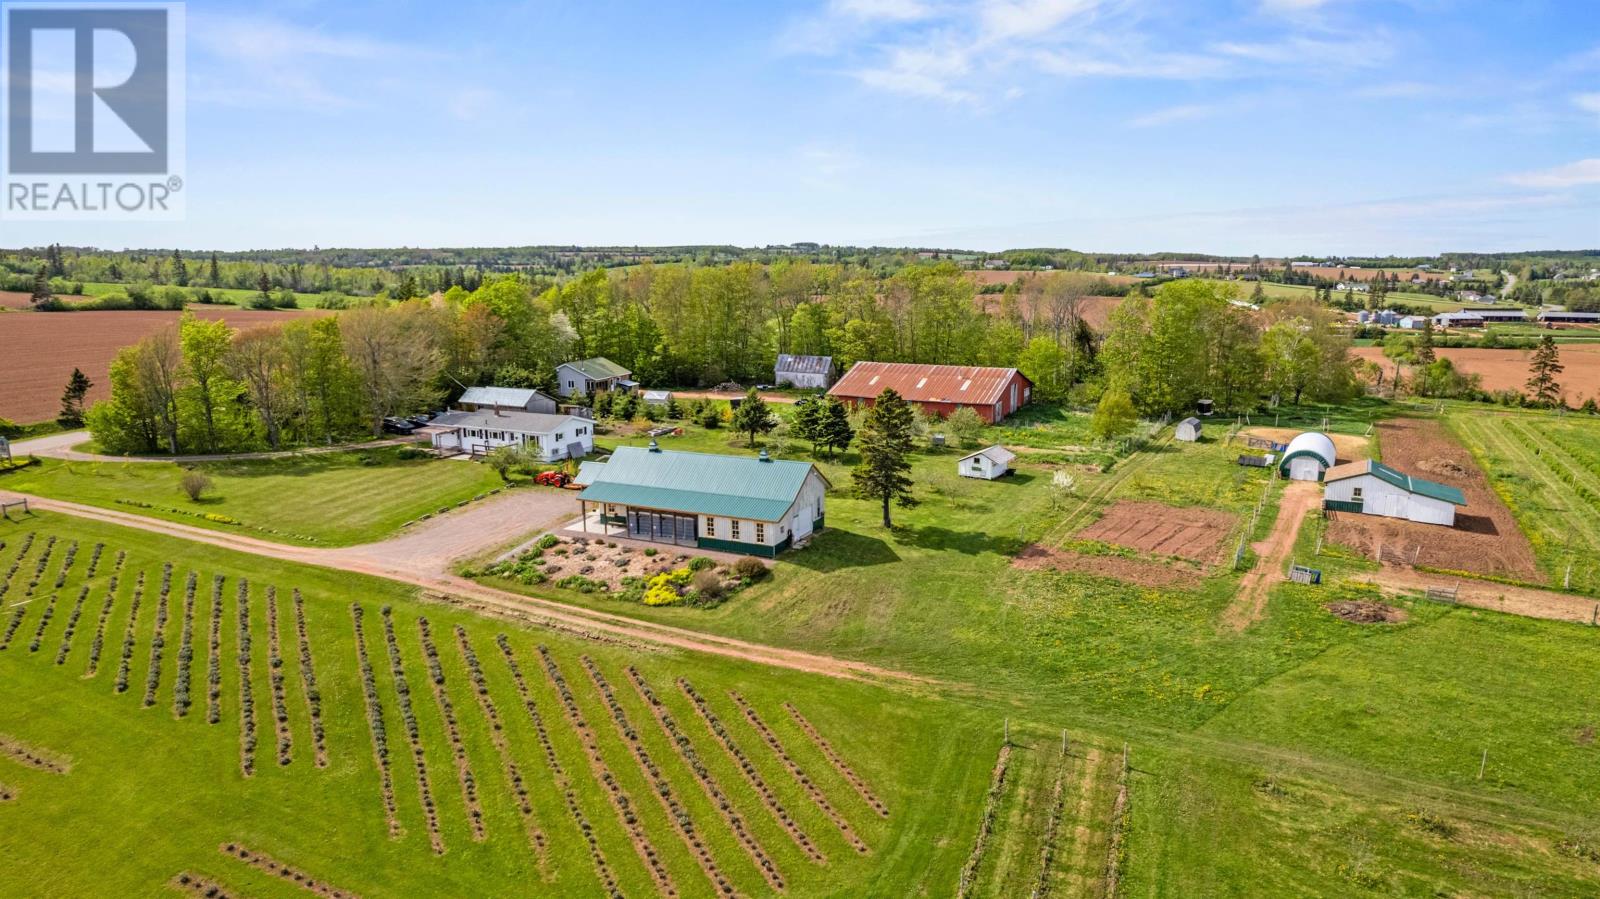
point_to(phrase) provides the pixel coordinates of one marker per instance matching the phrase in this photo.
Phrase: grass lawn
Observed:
(224, 295)
(325, 499)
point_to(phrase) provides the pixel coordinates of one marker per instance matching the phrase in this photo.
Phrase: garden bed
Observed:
(654, 576)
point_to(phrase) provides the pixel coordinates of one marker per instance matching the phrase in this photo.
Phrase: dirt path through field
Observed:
(359, 560)
(1299, 498)
(1525, 601)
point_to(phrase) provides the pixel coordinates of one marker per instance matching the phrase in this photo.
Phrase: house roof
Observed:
(699, 483)
(587, 472)
(599, 368)
(1191, 421)
(964, 384)
(513, 420)
(804, 365)
(996, 454)
(515, 397)
(1430, 489)
(1577, 316)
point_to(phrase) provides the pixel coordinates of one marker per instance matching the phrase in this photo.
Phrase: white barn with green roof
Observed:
(1373, 488)
(742, 504)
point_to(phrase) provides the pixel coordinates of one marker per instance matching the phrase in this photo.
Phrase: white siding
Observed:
(548, 447)
(981, 467)
(799, 379)
(1305, 468)
(1379, 497)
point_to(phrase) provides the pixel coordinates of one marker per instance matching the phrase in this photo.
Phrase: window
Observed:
(735, 531)
(559, 435)
(581, 431)
(761, 532)
(1356, 494)
(711, 526)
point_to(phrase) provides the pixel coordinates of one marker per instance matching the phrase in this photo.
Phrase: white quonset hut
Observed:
(1188, 430)
(1308, 457)
(988, 464)
(1373, 488)
(548, 437)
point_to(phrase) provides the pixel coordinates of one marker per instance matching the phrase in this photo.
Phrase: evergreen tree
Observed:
(264, 286)
(216, 271)
(41, 286)
(833, 430)
(753, 417)
(71, 414)
(885, 443)
(58, 263)
(603, 404)
(1425, 354)
(806, 423)
(674, 410)
(1543, 388)
(180, 269)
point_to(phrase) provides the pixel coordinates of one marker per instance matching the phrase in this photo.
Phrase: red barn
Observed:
(993, 393)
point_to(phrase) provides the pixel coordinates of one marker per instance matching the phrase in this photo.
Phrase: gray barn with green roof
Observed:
(743, 504)
(1373, 488)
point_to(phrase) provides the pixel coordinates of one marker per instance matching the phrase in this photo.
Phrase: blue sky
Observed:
(1269, 126)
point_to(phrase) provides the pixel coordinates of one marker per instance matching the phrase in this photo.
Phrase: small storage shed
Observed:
(1308, 457)
(656, 397)
(1373, 488)
(988, 464)
(803, 371)
(1189, 430)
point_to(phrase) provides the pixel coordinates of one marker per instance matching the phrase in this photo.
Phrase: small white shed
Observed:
(1307, 457)
(988, 464)
(1188, 430)
(1373, 488)
(656, 397)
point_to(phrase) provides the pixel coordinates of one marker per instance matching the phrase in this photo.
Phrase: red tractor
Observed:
(552, 478)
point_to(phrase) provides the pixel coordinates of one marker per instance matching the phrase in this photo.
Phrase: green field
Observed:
(228, 295)
(324, 499)
(1547, 470)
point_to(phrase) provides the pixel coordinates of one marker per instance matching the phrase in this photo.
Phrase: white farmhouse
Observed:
(587, 376)
(1308, 457)
(1373, 488)
(988, 464)
(548, 437)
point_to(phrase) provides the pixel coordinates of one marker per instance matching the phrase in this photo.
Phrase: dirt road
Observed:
(365, 560)
(1299, 498)
(1525, 601)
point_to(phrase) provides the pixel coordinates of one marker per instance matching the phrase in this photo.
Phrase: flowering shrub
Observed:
(667, 588)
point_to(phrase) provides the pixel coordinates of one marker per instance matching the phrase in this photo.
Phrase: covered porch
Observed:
(646, 525)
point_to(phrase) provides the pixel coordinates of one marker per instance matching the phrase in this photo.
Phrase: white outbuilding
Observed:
(1372, 488)
(988, 464)
(1308, 457)
(1188, 430)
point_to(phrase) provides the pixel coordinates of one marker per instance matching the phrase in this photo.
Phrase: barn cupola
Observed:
(764, 457)
(655, 447)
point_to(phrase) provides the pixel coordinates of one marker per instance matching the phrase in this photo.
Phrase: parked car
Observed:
(420, 420)
(398, 426)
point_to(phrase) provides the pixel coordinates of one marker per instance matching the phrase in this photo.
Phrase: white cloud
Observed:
(882, 10)
(1587, 102)
(1184, 113)
(1006, 19)
(922, 72)
(1573, 174)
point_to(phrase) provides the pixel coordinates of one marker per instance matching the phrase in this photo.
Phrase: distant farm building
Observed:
(757, 506)
(803, 371)
(547, 437)
(588, 376)
(506, 398)
(1562, 317)
(1412, 322)
(1188, 430)
(1458, 320)
(1372, 488)
(1308, 457)
(989, 464)
(1502, 316)
(993, 393)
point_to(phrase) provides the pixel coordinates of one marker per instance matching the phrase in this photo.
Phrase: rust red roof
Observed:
(965, 384)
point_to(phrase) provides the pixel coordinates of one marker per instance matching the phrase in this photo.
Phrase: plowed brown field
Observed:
(38, 350)
(1508, 369)
(1189, 533)
(1485, 539)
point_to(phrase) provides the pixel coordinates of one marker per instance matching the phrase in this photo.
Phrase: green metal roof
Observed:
(699, 483)
(599, 368)
(1432, 490)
